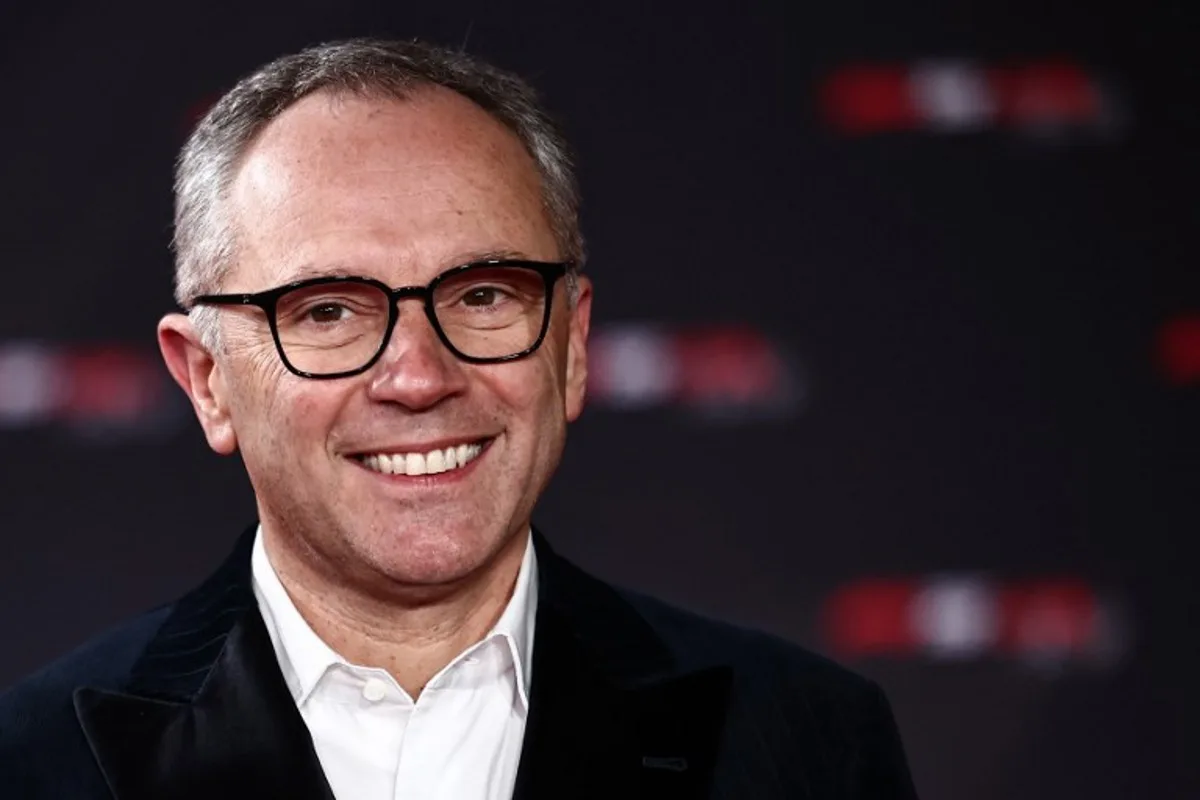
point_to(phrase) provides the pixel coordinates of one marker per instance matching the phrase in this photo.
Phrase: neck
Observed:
(411, 636)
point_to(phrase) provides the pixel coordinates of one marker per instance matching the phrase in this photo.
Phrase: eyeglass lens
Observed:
(486, 312)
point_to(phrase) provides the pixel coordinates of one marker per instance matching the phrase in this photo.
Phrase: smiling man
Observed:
(378, 247)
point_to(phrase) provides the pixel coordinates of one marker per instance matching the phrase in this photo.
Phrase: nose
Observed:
(416, 369)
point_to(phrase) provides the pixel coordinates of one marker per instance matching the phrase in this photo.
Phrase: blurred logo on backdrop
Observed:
(1044, 99)
(732, 373)
(1048, 624)
(717, 373)
(1177, 350)
(108, 391)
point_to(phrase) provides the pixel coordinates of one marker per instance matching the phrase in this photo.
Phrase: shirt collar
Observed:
(304, 657)
(517, 621)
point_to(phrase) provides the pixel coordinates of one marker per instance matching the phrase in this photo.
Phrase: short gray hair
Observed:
(205, 234)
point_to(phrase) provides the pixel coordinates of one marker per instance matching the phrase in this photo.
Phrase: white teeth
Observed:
(431, 463)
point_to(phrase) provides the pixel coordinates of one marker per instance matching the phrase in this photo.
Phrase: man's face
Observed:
(398, 191)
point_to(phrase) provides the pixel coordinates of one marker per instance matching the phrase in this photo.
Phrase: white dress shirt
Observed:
(460, 740)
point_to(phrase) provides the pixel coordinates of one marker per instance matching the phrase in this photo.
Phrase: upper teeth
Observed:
(430, 463)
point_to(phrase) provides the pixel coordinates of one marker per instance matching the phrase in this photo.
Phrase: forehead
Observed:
(385, 187)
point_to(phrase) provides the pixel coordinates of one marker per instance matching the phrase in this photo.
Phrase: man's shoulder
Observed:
(43, 752)
(774, 666)
(792, 713)
(104, 662)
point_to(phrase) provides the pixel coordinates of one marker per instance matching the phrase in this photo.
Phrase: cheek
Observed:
(277, 411)
(532, 388)
(304, 416)
(544, 411)
(265, 386)
(526, 398)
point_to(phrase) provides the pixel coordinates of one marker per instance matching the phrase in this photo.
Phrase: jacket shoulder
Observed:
(786, 699)
(40, 703)
(696, 640)
(773, 679)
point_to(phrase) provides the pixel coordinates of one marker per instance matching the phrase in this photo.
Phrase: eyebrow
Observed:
(339, 269)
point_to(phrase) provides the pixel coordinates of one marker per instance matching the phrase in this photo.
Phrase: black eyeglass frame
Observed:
(268, 301)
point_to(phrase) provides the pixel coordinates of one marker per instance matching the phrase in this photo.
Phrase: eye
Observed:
(481, 296)
(328, 312)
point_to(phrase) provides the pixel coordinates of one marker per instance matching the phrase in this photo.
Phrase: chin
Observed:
(432, 558)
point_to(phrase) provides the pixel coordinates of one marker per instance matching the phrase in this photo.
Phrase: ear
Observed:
(201, 378)
(579, 324)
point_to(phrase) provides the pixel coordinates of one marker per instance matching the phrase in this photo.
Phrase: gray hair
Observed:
(205, 235)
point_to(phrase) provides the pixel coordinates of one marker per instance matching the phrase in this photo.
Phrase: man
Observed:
(378, 245)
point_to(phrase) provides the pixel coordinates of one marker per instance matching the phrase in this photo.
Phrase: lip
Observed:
(440, 479)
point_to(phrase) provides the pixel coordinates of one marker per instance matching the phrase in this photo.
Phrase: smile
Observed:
(433, 462)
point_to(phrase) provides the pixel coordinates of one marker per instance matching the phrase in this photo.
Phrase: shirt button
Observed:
(374, 690)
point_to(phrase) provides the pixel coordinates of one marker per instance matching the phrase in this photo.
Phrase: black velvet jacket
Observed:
(631, 698)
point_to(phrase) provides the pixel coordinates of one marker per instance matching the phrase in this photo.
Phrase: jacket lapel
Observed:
(206, 712)
(611, 713)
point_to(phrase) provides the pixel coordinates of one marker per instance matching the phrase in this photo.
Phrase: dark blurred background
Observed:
(897, 351)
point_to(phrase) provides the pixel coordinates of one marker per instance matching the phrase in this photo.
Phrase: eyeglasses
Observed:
(334, 327)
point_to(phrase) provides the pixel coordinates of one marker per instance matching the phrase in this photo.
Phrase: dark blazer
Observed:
(630, 698)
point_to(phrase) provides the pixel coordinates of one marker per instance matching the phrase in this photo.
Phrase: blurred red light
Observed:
(872, 617)
(869, 99)
(1178, 350)
(733, 364)
(1046, 93)
(113, 382)
(1048, 616)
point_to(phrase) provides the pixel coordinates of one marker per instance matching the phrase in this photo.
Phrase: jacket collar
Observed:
(206, 709)
(613, 711)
